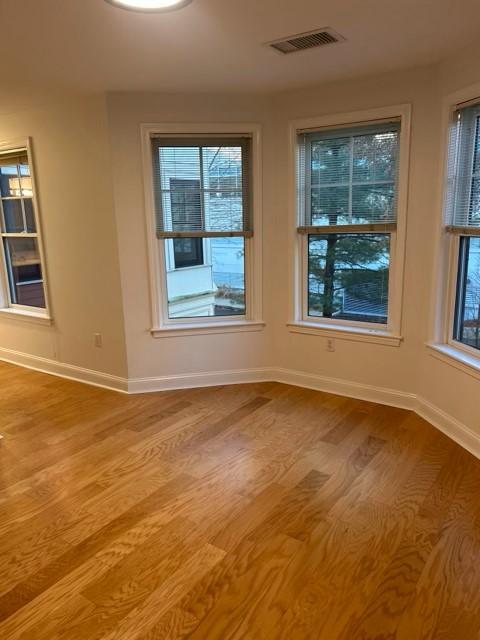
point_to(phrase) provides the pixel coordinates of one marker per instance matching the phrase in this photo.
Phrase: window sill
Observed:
(204, 328)
(456, 358)
(26, 316)
(346, 333)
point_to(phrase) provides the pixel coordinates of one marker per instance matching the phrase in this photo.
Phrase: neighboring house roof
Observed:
(365, 299)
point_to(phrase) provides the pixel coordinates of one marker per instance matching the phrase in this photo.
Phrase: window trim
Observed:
(389, 333)
(161, 324)
(8, 309)
(441, 343)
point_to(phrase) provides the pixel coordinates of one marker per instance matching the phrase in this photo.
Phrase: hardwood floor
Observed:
(256, 511)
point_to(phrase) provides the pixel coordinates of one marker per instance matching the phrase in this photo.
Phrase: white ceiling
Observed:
(216, 45)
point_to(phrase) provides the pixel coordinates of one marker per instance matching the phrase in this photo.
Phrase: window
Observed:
(466, 327)
(188, 252)
(347, 203)
(204, 226)
(463, 225)
(21, 248)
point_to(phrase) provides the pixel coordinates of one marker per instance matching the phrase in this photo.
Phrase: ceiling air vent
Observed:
(309, 40)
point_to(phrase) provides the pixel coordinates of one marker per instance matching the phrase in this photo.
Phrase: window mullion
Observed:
(22, 200)
(350, 187)
(202, 188)
(308, 182)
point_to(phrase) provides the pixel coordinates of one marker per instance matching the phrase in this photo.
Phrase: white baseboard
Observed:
(195, 380)
(380, 395)
(286, 376)
(450, 426)
(62, 370)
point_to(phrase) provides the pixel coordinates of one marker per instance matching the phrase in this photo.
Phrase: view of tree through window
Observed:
(352, 183)
(348, 276)
(353, 179)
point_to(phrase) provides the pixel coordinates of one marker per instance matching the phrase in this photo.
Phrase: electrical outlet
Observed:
(98, 340)
(330, 344)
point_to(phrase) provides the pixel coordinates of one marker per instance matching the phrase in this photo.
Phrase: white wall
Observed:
(148, 356)
(71, 157)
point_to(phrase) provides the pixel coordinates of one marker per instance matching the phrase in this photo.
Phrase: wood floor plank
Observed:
(26, 591)
(142, 618)
(254, 512)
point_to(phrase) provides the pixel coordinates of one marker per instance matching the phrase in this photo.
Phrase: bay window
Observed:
(462, 213)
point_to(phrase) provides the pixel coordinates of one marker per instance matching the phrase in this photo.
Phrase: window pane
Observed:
(372, 203)
(201, 188)
(476, 147)
(223, 168)
(216, 287)
(26, 181)
(330, 161)
(375, 157)
(330, 205)
(13, 216)
(349, 175)
(474, 213)
(9, 180)
(185, 203)
(24, 271)
(223, 210)
(348, 276)
(223, 199)
(467, 317)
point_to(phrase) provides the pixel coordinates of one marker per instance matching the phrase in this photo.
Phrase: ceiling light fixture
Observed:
(150, 5)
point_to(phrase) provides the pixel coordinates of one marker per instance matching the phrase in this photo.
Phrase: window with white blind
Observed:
(203, 211)
(348, 215)
(462, 219)
(23, 288)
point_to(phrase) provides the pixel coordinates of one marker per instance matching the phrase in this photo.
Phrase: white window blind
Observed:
(462, 202)
(348, 178)
(202, 186)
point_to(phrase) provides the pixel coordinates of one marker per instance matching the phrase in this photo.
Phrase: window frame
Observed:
(8, 308)
(300, 321)
(441, 344)
(453, 240)
(161, 324)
